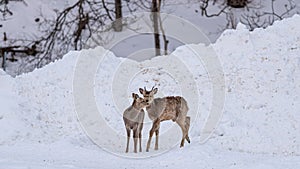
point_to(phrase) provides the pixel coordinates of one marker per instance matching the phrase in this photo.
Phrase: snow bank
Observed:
(11, 125)
(46, 103)
(261, 113)
(262, 71)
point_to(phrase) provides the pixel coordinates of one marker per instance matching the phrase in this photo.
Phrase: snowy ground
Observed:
(259, 128)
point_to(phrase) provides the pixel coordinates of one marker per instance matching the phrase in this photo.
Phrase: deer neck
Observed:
(135, 107)
(151, 105)
(132, 113)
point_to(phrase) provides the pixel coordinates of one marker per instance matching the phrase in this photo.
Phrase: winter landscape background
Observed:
(34, 33)
(259, 128)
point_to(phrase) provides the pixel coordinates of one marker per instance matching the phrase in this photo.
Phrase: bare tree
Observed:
(6, 11)
(237, 3)
(68, 30)
(262, 19)
(155, 10)
(4, 8)
(253, 15)
(118, 14)
(71, 28)
(158, 28)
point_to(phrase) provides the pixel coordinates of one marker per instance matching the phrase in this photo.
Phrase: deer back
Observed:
(167, 108)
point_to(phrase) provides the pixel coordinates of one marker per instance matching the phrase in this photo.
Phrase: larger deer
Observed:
(167, 108)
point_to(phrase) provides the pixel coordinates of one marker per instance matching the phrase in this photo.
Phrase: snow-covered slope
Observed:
(263, 87)
(259, 128)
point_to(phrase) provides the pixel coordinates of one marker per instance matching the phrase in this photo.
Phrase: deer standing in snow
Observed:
(133, 118)
(167, 108)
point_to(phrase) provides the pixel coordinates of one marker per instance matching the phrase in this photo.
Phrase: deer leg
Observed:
(128, 137)
(177, 109)
(176, 115)
(181, 123)
(187, 126)
(140, 135)
(156, 136)
(135, 138)
(153, 129)
(140, 140)
(149, 139)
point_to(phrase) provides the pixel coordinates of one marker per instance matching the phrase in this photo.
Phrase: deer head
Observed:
(148, 95)
(138, 102)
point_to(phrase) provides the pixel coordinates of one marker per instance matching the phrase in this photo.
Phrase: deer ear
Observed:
(141, 90)
(155, 90)
(135, 96)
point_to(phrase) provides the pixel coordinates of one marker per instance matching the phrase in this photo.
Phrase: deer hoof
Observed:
(188, 140)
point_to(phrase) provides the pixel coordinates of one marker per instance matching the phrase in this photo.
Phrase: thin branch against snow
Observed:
(258, 19)
(204, 8)
(252, 16)
(5, 10)
(68, 31)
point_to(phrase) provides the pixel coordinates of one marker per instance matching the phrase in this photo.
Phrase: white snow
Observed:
(259, 128)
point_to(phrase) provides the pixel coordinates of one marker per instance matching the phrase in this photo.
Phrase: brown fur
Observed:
(133, 118)
(168, 108)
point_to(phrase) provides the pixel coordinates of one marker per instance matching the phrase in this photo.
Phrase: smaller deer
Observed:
(133, 118)
(173, 108)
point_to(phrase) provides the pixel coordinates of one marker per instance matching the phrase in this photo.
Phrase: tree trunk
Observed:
(3, 59)
(118, 12)
(155, 27)
(237, 3)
